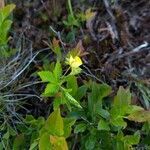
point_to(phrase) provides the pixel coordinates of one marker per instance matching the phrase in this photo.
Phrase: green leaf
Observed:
(81, 92)
(59, 101)
(122, 101)
(75, 71)
(80, 128)
(4, 28)
(140, 116)
(134, 108)
(104, 90)
(47, 76)
(145, 140)
(34, 145)
(44, 143)
(68, 123)
(119, 122)
(29, 119)
(72, 84)
(19, 142)
(6, 11)
(51, 89)
(90, 142)
(146, 127)
(57, 71)
(54, 123)
(1, 146)
(71, 99)
(103, 125)
(11, 130)
(58, 143)
(6, 135)
(103, 113)
(121, 107)
(99, 91)
(132, 139)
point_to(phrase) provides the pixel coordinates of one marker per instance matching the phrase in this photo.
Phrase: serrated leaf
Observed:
(57, 71)
(47, 76)
(140, 116)
(51, 89)
(121, 107)
(54, 123)
(122, 100)
(44, 142)
(103, 125)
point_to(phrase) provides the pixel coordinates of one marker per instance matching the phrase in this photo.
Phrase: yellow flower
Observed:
(74, 62)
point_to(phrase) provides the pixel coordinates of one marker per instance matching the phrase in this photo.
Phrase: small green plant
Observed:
(82, 110)
(56, 80)
(72, 23)
(99, 118)
(71, 19)
(105, 121)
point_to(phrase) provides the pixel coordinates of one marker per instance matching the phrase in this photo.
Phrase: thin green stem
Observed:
(70, 8)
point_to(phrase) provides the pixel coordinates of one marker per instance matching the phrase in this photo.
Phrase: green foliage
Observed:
(55, 87)
(5, 25)
(93, 115)
(71, 19)
(54, 124)
(120, 107)
(100, 118)
(44, 134)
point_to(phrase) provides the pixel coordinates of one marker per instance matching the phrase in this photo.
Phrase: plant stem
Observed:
(70, 8)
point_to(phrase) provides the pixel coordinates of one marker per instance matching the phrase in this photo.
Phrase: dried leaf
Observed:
(89, 14)
(140, 116)
(58, 143)
(78, 50)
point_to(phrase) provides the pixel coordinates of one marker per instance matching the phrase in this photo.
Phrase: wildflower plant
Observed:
(98, 121)
(86, 113)
(55, 87)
